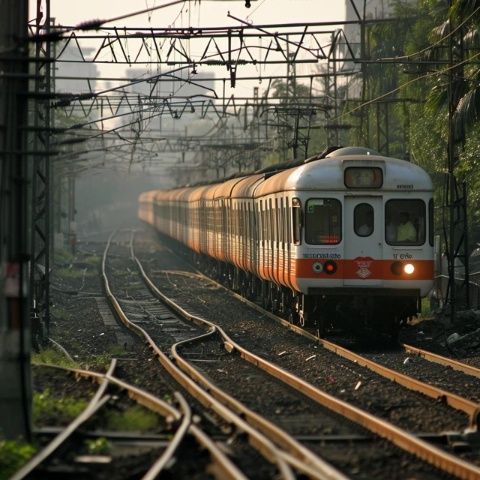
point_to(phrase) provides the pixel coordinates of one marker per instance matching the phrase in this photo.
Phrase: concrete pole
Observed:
(15, 384)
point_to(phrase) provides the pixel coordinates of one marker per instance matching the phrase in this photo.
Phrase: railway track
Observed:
(199, 353)
(280, 449)
(48, 462)
(435, 456)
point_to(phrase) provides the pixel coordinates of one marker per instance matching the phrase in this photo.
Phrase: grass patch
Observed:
(98, 446)
(59, 312)
(135, 418)
(93, 259)
(102, 360)
(125, 273)
(426, 309)
(75, 273)
(51, 356)
(13, 455)
(63, 256)
(58, 410)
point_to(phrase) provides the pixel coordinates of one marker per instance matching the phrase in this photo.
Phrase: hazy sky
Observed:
(195, 12)
(204, 13)
(198, 13)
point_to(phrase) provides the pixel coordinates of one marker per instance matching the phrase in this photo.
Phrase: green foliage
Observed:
(60, 410)
(75, 273)
(135, 418)
(102, 361)
(426, 309)
(295, 116)
(60, 312)
(51, 356)
(98, 446)
(63, 256)
(13, 455)
(93, 259)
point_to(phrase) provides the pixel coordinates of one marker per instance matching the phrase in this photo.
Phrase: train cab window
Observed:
(405, 222)
(323, 221)
(363, 220)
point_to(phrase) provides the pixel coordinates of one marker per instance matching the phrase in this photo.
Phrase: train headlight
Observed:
(317, 267)
(408, 268)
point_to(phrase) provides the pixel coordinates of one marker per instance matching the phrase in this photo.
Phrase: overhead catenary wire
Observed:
(97, 23)
(380, 97)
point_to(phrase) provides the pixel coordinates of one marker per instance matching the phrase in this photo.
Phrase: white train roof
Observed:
(322, 174)
(328, 174)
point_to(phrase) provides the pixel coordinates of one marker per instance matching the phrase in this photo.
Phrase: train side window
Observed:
(363, 220)
(270, 231)
(431, 225)
(323, 221)
(277, 224)
(260, 222)
(263, 206)
(297, 221)
(405, 222)
(288, 238)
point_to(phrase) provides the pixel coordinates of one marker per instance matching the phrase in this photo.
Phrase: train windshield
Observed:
(405, 222)
(323, 221)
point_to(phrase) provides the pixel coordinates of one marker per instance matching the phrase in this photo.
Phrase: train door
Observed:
(363, 239)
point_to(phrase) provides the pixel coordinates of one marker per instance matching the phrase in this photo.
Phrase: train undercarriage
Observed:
(356, 311)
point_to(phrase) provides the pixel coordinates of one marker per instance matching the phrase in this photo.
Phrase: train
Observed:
(343, 240)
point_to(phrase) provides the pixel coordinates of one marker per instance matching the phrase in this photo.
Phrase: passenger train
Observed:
(343, 239)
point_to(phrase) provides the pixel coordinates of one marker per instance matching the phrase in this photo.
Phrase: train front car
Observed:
(363, 256)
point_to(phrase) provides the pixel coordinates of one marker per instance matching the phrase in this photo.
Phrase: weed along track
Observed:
(96, 441)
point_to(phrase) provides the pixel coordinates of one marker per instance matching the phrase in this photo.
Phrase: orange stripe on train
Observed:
(365, 268)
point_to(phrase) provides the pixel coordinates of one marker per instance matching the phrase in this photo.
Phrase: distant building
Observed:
(69, 64)
(374, 9)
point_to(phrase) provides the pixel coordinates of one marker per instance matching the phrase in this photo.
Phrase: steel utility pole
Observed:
(41, 228)
(15, 388)
(456, 236)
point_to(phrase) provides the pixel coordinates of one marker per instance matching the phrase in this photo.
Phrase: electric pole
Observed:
(15, 385)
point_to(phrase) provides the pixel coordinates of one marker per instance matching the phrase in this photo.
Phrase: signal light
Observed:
(396, 268)
(317, 267)
(329, 267)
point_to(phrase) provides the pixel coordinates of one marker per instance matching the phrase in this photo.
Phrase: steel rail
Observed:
(222, 464)
(301, 456)
(469, 407)
(448, 362)
(302, 459)
(404, 440)
(97, 402)
(453, 400)
(396, 435)
(264, 445)
(162, 461)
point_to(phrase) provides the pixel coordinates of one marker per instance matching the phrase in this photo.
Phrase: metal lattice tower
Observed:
(40, 240)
